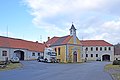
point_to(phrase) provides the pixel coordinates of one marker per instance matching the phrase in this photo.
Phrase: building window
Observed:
(38, 54)
(71, 32)
(55, 50)
(96, 48)
(86, 49)
(86, 55)
(100, 48)
(91, 55)
(105, 48)
(109, 48)
(33, 54)
(91, 48)
(96, 55)
(4, 53)
(58, 51)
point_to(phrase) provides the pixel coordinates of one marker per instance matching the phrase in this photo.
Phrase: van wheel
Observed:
(46, 60)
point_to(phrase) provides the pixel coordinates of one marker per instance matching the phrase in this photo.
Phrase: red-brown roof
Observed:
(95, 43)
(67, 39)
(59, 40)
(52, 40)
(22, 44)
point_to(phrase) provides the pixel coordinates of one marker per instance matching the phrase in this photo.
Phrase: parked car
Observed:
(98, 59)
(15, 60)
(40, 59)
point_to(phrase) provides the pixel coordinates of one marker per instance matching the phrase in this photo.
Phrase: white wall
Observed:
(2, 58)
(27, 54)
(99, 52)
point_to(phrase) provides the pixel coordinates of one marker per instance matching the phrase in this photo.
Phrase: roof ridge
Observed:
(65, 36)
(95, 43)
(23, 44)
(55, 36)
(19, 39)
(92, 40)
(61, 36)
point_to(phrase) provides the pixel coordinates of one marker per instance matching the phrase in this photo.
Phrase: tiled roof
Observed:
(95, 43)
(52, 40)
(22, 44)
(58, 40)
(66, 39)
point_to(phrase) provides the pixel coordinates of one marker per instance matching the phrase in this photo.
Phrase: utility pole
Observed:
(8, 45)
(41, 38)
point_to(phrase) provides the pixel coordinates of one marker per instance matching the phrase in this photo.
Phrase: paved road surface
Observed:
(33, 70)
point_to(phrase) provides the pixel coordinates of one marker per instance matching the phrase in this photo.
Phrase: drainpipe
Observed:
(66, 52)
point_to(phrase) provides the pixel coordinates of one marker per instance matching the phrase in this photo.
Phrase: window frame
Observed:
(33, 54)
(105, 48)
(109, 48)
(55, 49)
(91, 55)
(59, 51)
(96, 55)
(86, 49)
(86, 55)
(100, 48)
(4, 53)
(38, 54)
(96, 48)
(91, 48)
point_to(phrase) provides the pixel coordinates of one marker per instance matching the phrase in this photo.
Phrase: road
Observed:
(33, 70)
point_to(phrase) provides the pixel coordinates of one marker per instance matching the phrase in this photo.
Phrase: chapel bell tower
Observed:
(73, 32)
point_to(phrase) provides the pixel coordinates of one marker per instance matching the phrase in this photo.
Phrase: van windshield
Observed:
(53, 54)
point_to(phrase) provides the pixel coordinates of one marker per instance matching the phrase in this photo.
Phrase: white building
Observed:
(28, 50)
(97, 50)
(89, 49)
(25, 50)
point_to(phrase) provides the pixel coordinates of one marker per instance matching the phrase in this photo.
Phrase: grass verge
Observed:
(113, 70)
(110, 66)
(11, 66)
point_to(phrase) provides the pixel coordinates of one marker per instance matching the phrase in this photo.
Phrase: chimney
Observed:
(48, 38)
(44, 42)
(36, 41)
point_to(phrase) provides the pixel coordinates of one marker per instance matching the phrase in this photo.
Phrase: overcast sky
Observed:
(37, 19)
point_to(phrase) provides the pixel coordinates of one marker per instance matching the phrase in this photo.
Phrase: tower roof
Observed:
(72, 27)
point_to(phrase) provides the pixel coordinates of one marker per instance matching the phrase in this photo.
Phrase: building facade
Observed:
(71, 49)
(25, 50)
(97, 50)
(68, 48)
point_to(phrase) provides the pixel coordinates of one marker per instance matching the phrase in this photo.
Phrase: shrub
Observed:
(116, 62)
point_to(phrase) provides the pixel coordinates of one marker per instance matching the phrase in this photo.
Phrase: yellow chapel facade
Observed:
(68, 48)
